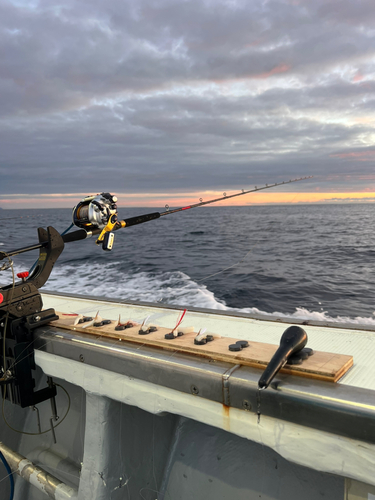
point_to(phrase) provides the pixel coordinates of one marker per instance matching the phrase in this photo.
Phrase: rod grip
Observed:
(81, 234)
(132, 221)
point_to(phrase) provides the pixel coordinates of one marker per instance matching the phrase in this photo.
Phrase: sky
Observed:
(169, 101)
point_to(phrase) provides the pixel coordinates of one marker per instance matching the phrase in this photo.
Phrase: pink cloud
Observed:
(281, 68)
(357, 155)
(358, 77)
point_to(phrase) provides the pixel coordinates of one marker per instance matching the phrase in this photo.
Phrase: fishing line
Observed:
(263, 456)
(21, 217)
(112, 224)
(61, 234)
(127, 479)
(230, 267)
(7, 317)
(46, 342)
(219, 272)
(240, 261)
(18, 360)
(226, 197)
(10, 475)
(43, 432)
(153, 446)
(48, 467)
(148, 489)
(82, 426)
(67, 229)
(44, 345)
(121, 485)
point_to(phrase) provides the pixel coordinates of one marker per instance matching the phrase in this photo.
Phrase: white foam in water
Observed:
(165, 287)
(302, 313)
(174, 288)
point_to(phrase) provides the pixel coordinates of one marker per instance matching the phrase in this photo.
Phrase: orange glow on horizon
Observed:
(58, 200)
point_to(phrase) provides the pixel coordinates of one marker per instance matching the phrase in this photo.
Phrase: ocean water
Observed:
(305, 261)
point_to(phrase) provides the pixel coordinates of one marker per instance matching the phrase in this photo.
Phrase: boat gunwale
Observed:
(236, 314)
(338, 409)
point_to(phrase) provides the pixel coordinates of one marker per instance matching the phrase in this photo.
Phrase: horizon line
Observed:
(133, 200)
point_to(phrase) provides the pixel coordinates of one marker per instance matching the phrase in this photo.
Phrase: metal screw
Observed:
(19, 308)
(246, 405)
(194, 389)
(81, 358)
(24, 288)
(36, 318)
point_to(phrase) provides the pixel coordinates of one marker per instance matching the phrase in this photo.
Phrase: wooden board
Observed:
(321, 365)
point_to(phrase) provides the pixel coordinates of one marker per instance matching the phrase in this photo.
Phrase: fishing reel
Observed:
(98, 212)
(94, 212)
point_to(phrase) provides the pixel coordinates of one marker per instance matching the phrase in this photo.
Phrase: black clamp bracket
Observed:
(20, 313)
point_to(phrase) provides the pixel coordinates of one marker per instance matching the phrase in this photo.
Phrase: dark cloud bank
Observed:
(141, 96)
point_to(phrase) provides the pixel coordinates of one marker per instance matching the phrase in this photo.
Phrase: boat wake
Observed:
(175, 288)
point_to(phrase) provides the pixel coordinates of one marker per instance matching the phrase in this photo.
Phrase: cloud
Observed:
(280, 68)
(359, 199)
(368, 155)
(185, 95)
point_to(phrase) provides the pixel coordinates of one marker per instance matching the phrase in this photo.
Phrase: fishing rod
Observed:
(21, 305)
(97, 215)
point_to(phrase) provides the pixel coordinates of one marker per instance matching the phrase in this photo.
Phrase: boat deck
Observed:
(217, 438)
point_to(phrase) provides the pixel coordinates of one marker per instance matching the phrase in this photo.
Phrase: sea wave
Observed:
(175, 288)
(302, 313)
(106, 280)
